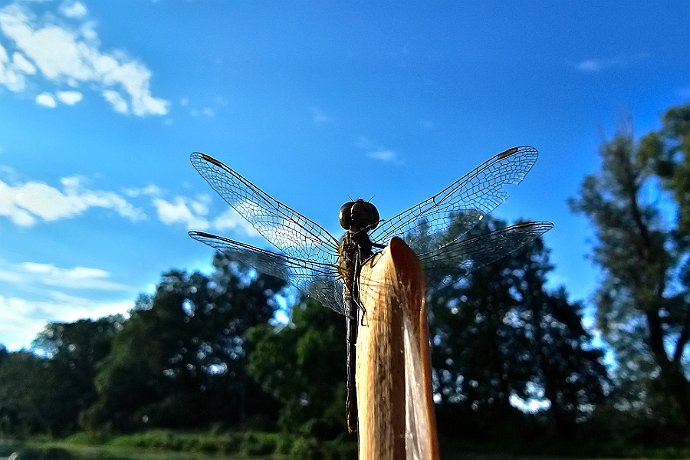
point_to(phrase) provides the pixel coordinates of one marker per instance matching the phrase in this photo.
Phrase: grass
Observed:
(174, 445)
(167, 444)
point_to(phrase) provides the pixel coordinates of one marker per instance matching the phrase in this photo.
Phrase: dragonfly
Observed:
(327, 268)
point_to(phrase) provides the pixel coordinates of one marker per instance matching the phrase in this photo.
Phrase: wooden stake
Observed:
(396, 410)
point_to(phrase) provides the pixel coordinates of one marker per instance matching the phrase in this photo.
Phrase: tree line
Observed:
(511, 357)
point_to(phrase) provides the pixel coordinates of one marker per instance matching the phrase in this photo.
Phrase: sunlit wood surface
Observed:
(393, 362)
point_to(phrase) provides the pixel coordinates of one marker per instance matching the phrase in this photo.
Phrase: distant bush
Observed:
(250, 444)
(88, 438)
(304, 448)
(259, 443)
(214, 442)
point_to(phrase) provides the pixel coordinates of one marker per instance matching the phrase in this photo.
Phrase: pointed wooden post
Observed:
(395, 403)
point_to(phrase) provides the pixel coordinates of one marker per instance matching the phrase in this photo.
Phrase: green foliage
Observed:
(640, 207)
(25, 400)
(47, 393)
(303, 366)
(88, 438)
(499, 333)
(179, 361)
(248, 444)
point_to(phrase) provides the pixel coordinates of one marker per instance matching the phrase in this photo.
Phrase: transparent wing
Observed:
(318, 280)
(472, 253)
(460, 206)
(291, 232)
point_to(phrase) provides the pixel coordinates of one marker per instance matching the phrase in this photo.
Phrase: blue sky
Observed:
(316, 102)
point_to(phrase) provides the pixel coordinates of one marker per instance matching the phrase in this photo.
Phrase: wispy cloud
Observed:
(230, 220)
(190, 212)
(61, 49)
(69, 97)
(319, 117)
(50, 100)
(45, 274)
(194, 214)
(46, 100)
(149, 190)
(376, 151)
(27, 203)
(383, 155)
(74, 9)
(21, 319)
(207, 110)
(52, 293)
(594, 65)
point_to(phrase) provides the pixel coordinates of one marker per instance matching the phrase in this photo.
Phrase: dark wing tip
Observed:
(536, 227)
(197, 157)
(514, 150)
(199, 236)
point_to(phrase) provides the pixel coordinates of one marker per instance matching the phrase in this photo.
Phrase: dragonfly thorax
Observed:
(357, 216)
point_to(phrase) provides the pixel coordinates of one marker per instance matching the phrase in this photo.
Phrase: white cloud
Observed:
(23, 64)
(73, 10)
(383, 154)
(207, 112)
(194, 214)
(46, 100)
(376, 151)
(67, 51)
(42, 274)
(149, 190)
(231, 220)
(116, 100)
(182, 211)
(11, 75)
(27, 203)
(319, 117)
(22, 319)
(48, 297)
(69, 97)
(595, 65)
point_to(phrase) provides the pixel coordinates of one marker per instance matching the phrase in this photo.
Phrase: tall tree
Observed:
(25, 399)
(74, 350)
(639, 205)
(302, 364)
(180, 359)
(499, 333)
(45, 391)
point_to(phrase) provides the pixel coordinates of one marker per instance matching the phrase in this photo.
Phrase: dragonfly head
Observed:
(358, 215)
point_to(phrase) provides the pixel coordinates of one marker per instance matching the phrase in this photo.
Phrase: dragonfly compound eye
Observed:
(345, 215)
(364, 216)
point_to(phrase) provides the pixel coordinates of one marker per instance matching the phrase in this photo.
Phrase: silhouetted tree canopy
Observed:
(500, 334)
(639, 205)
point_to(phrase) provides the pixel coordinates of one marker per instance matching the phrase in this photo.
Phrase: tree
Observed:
(45, 391)
(25, 399)
(74, 351)
(180, 358)
(499, 333)
(639, 204)
(302, 364)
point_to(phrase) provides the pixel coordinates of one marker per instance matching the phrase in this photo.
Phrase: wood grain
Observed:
(396, 413)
